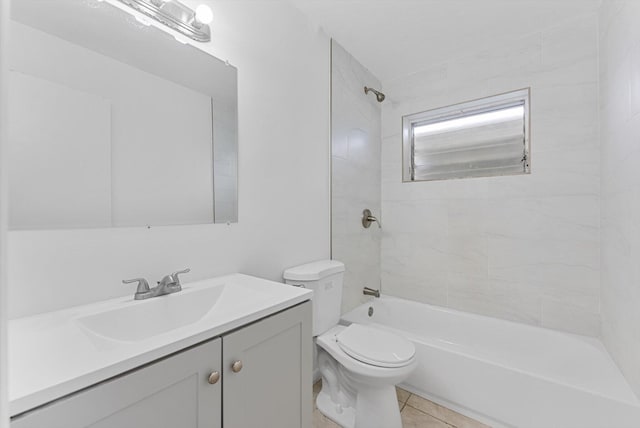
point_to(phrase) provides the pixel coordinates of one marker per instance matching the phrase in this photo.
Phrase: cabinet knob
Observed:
(236, 366)
(214, 377)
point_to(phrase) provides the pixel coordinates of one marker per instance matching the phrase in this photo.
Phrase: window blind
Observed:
(477, 140)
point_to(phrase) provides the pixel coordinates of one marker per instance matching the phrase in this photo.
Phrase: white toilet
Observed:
(360, 364)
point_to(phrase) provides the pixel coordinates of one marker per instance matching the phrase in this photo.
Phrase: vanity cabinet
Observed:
(256, 376)
(173, 392)
(267, 372)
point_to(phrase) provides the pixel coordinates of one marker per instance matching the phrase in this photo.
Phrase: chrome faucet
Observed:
(371, 292)
(167, 285)
(143, 291)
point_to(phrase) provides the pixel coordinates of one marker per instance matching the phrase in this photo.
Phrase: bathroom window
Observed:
(480, 138)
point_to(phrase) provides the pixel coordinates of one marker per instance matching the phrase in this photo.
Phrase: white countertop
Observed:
(51, 355)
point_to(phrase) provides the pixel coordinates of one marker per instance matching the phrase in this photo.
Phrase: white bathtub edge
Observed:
(628, 410)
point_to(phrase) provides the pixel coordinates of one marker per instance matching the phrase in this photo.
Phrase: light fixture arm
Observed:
(174, 15)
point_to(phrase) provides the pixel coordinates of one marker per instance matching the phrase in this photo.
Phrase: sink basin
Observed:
(144, 319)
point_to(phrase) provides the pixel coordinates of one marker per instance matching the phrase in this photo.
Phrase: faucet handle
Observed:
(367, 219)
(143, 285)
(176, 273)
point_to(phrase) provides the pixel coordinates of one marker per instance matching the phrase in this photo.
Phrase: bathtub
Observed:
(507, 374)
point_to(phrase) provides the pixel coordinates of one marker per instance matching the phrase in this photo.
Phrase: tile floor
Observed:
(416, 412)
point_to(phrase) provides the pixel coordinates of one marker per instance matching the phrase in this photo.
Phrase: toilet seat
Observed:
(329, 343)
(375, 347)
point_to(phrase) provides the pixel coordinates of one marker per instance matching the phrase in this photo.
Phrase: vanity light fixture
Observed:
(204, 15)
(177, 16)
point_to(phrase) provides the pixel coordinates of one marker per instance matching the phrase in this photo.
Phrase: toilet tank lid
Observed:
(314, 271)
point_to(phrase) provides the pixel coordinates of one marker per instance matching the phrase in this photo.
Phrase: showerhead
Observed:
(379, 95)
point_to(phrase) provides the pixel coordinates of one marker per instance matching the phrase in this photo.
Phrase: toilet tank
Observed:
(324, 277)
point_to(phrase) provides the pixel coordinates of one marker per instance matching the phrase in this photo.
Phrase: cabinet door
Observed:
(272, 389)
(171, 393)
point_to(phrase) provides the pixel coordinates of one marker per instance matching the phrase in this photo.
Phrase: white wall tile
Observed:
(570, 42)
(431, 80)
(356, 175)
(430, 288)
(514, 56)
(635, 80)
(620, 155)
(560, 315)
(491, 297)
(512, 246)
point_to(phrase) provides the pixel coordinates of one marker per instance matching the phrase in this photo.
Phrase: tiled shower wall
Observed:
(523, 248)
(620, 128)
(355, 182)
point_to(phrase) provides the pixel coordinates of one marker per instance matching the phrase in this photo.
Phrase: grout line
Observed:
(404, 402)
(433, 416)
(429, 414)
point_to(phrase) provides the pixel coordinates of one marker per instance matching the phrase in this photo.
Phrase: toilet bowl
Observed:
(359, 364)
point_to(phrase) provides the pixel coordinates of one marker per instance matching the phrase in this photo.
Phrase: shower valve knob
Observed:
(368, 218)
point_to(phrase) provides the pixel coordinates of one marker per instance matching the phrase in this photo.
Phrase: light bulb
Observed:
(204, 14)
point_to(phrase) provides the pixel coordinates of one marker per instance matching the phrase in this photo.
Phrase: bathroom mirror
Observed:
(116, 123)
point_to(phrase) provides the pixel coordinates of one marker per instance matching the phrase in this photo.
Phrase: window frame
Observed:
(459, 110)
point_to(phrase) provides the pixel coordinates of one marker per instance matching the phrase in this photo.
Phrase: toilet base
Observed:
(343, 416)
(374, 409)
(378, 408)
(353, 401)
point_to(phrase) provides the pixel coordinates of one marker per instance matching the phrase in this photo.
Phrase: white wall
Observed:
(4, 212)
(620, 131)
(284, 219)
(523, 248)
(355, 184)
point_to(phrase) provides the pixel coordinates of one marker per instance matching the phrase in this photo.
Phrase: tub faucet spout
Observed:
(371, 292)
